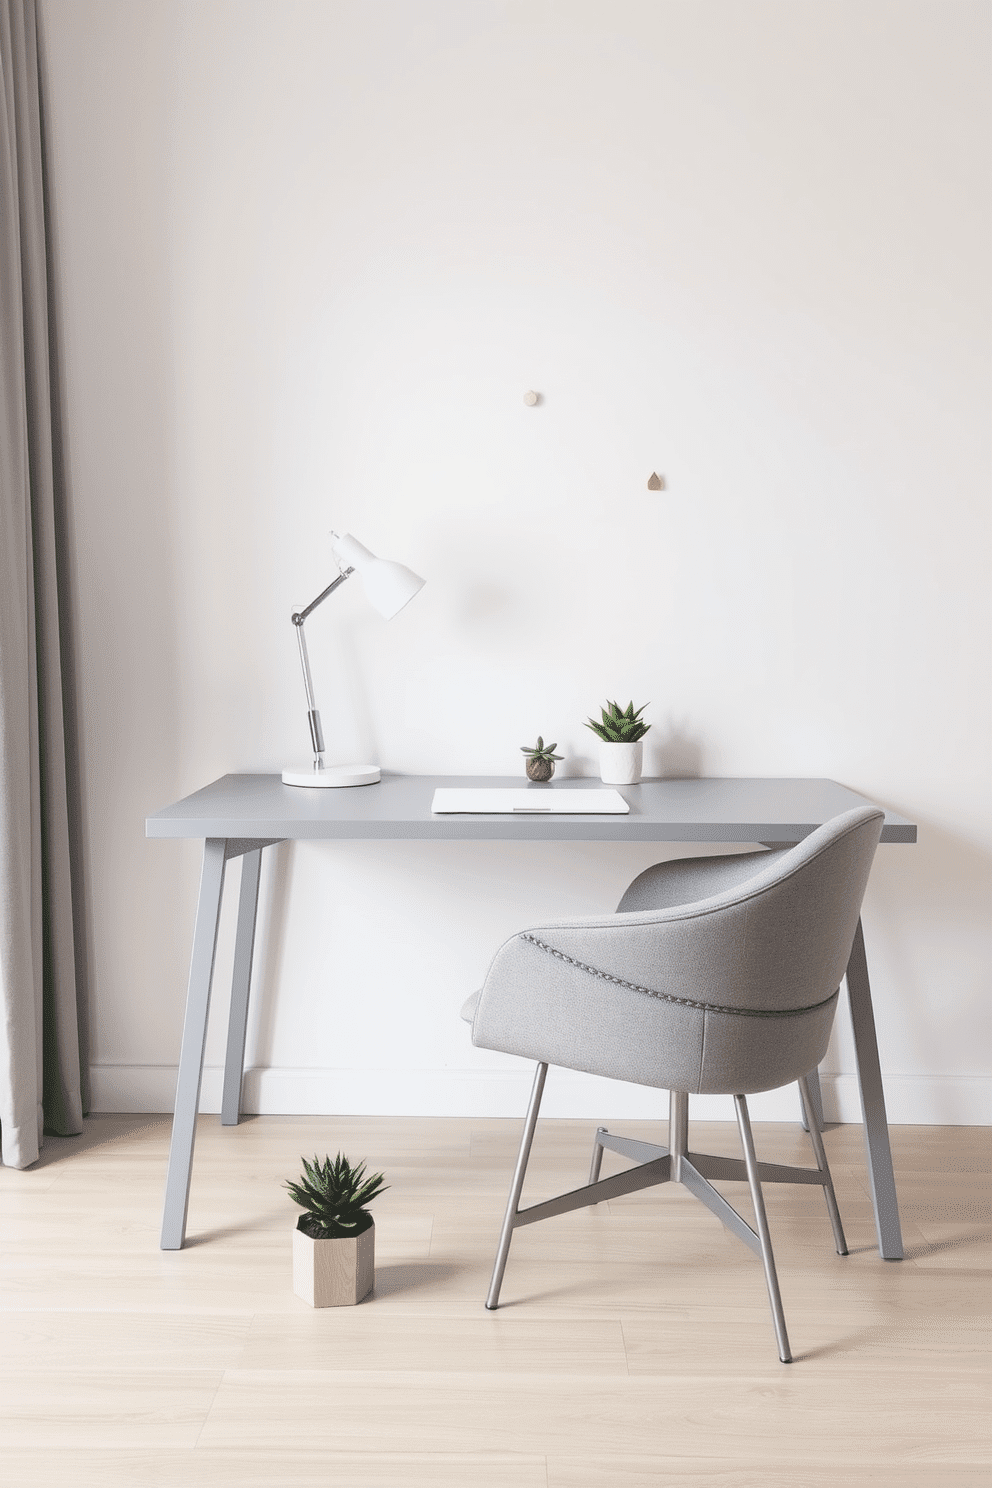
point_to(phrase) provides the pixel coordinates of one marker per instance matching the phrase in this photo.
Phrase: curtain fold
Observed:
(41, 1068)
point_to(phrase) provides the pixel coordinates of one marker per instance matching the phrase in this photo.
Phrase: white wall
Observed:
(311, 254)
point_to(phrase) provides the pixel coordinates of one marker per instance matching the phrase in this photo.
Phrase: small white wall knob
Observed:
(530, 398)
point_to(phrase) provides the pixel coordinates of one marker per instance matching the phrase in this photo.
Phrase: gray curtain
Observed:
(40, 1060)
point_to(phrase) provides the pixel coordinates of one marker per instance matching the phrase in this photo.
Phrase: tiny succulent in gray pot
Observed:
(540, 759)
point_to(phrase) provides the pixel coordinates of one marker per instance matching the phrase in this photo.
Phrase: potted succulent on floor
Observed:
(334, 1239)
(620, 747)
(540, 759)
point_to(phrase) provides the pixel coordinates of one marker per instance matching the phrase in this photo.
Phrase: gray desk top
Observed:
(757, 810)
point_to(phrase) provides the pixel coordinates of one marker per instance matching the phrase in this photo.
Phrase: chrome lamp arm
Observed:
(299, 618)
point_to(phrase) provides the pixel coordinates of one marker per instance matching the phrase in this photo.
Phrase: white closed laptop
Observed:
(493, 800)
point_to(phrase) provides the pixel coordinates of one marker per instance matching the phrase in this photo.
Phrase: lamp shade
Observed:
(388, 586)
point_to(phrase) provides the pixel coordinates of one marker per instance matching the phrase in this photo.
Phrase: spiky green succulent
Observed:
(620, 725)
(540, 750)
(333, 1196)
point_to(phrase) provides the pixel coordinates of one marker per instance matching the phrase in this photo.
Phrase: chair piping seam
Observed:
(690, 1002)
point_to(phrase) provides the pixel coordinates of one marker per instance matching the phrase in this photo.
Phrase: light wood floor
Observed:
(635, 1345)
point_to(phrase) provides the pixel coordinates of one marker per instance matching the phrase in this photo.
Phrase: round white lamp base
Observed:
(331, 775)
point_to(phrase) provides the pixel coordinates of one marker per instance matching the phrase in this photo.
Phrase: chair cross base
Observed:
(676, 1164)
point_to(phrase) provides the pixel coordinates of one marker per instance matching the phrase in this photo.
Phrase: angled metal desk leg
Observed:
(201, 972)
(237, 1027)
(882, 1178)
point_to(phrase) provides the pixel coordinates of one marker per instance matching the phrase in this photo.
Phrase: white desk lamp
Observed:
(388, 587)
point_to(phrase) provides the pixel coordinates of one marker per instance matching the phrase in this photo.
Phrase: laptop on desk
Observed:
(490, 801)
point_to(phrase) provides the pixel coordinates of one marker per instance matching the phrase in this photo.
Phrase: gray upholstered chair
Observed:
(715, 976)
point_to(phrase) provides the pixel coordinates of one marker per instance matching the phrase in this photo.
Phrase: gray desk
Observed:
(240, 815)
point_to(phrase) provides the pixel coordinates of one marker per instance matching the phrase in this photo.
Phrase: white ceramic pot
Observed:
(620, 764)
(333, 1273)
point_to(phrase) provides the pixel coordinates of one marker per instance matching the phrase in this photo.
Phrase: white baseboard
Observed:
(914, 1100)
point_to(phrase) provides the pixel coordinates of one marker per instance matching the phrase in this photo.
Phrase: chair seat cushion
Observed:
(557, 1010)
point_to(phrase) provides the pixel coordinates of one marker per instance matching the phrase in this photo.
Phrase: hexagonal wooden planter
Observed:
(334, 1273)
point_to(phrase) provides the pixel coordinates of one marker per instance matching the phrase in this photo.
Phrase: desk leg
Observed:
(201, 972)
(883, 1183)
(237, 1026)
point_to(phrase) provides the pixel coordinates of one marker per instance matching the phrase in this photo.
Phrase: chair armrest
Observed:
(686, 880)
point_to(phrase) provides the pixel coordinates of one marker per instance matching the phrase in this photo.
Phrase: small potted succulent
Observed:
(620, 749)
(334, 1239)
(540, 759)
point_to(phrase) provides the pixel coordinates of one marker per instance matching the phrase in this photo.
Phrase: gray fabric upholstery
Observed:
(470, 1005)
(686, 879)
(729, 993)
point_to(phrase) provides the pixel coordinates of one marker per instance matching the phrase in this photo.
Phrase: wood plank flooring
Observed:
(634, 1346)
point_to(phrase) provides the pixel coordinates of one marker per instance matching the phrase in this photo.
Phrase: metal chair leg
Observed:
(597, 1156)
(816, 1096)
(761, 1223)
(678, 1130)
(820, 1153)
(516, 1187)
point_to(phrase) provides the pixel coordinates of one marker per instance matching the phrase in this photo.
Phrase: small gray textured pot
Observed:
(540, 769)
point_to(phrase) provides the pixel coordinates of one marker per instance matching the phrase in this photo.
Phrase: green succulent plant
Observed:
(333, 1196)
(620, 725)
(541, 751)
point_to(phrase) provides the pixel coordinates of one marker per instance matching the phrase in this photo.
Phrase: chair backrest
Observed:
(781, 938)
(729, 994)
